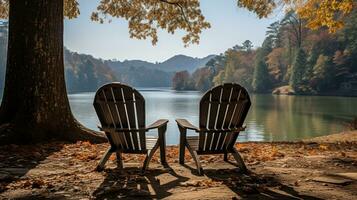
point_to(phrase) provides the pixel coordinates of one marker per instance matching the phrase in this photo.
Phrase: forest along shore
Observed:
(319, 168)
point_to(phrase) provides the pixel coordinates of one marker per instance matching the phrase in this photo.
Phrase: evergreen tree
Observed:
(261, 81)
(261, 77)
(247, 45)
(298, 71)
(311, 61)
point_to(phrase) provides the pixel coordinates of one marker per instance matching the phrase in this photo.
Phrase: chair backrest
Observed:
(119, 106)
(222, 108)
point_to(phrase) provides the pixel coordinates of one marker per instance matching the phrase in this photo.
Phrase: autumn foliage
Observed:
(146, 17)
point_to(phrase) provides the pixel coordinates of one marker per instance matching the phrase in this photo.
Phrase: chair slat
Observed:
(233, 108)
(118, 93)
(140, 107)
(115, 121)
(130, 116)
(224, 106)
(115, 111)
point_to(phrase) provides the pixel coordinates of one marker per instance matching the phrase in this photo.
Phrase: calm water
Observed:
(271, 118)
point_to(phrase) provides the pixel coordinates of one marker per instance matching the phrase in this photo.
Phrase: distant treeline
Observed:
(84, 73)
(304, 61)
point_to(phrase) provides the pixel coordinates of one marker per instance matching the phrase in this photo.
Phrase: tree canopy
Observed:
(145, 17)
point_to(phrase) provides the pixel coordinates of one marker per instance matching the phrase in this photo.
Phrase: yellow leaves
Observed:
(4, 9)
(112, 157)
(323, 147)
(71, 9)
(88, 151)
(85, 143)
(254, 152)
(201, 183)
(317, 13)
(325, 13)
(146, 17)
(275, 153)
(261, 7)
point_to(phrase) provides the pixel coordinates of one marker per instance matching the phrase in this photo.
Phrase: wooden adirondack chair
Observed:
(222, 113)
(121, 112)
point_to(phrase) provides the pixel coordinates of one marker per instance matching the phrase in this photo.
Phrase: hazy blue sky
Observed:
(230, 26)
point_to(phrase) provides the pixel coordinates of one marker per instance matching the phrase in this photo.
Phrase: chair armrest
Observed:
(159, 123)
(186, 125)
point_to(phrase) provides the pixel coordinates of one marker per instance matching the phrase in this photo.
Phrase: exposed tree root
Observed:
(82, 133)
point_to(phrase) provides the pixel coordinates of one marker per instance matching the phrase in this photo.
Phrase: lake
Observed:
(271, 117)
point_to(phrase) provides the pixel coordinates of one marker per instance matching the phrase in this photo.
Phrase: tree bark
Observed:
(35, 105)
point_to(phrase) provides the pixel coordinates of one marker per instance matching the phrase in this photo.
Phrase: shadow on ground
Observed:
(18, 160)
(254, 186)
(129, 183)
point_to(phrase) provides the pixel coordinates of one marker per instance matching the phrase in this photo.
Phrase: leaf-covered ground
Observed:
(300, 170)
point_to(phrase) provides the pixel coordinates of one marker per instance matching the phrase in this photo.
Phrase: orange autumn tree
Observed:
(35, 106)
(317, 13)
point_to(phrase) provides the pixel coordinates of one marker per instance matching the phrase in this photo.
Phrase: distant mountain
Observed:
(182, 63)
(173, 64)
(146, 74)
(84, 73)
(140, 73)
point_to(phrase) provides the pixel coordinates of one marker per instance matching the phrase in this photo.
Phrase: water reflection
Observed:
(270, 117)
(292, 117)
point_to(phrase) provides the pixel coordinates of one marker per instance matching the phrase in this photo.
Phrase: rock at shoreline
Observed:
(284, 90)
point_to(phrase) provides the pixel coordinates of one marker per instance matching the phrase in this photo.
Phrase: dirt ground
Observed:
(321, 168)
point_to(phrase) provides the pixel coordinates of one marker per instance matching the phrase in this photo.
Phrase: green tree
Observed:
(275, 34)
(261, 78)
(261, 81)
(247, 45)
(298, 71)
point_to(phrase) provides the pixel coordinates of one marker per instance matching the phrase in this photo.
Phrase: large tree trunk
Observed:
(35, 106)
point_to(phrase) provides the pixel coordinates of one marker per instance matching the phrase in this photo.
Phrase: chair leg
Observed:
(104, 159)
(225, 158)
(149, 156)
(239, 160)
(162, 142)
(196, 159)
(182, 145)
(119, 160)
